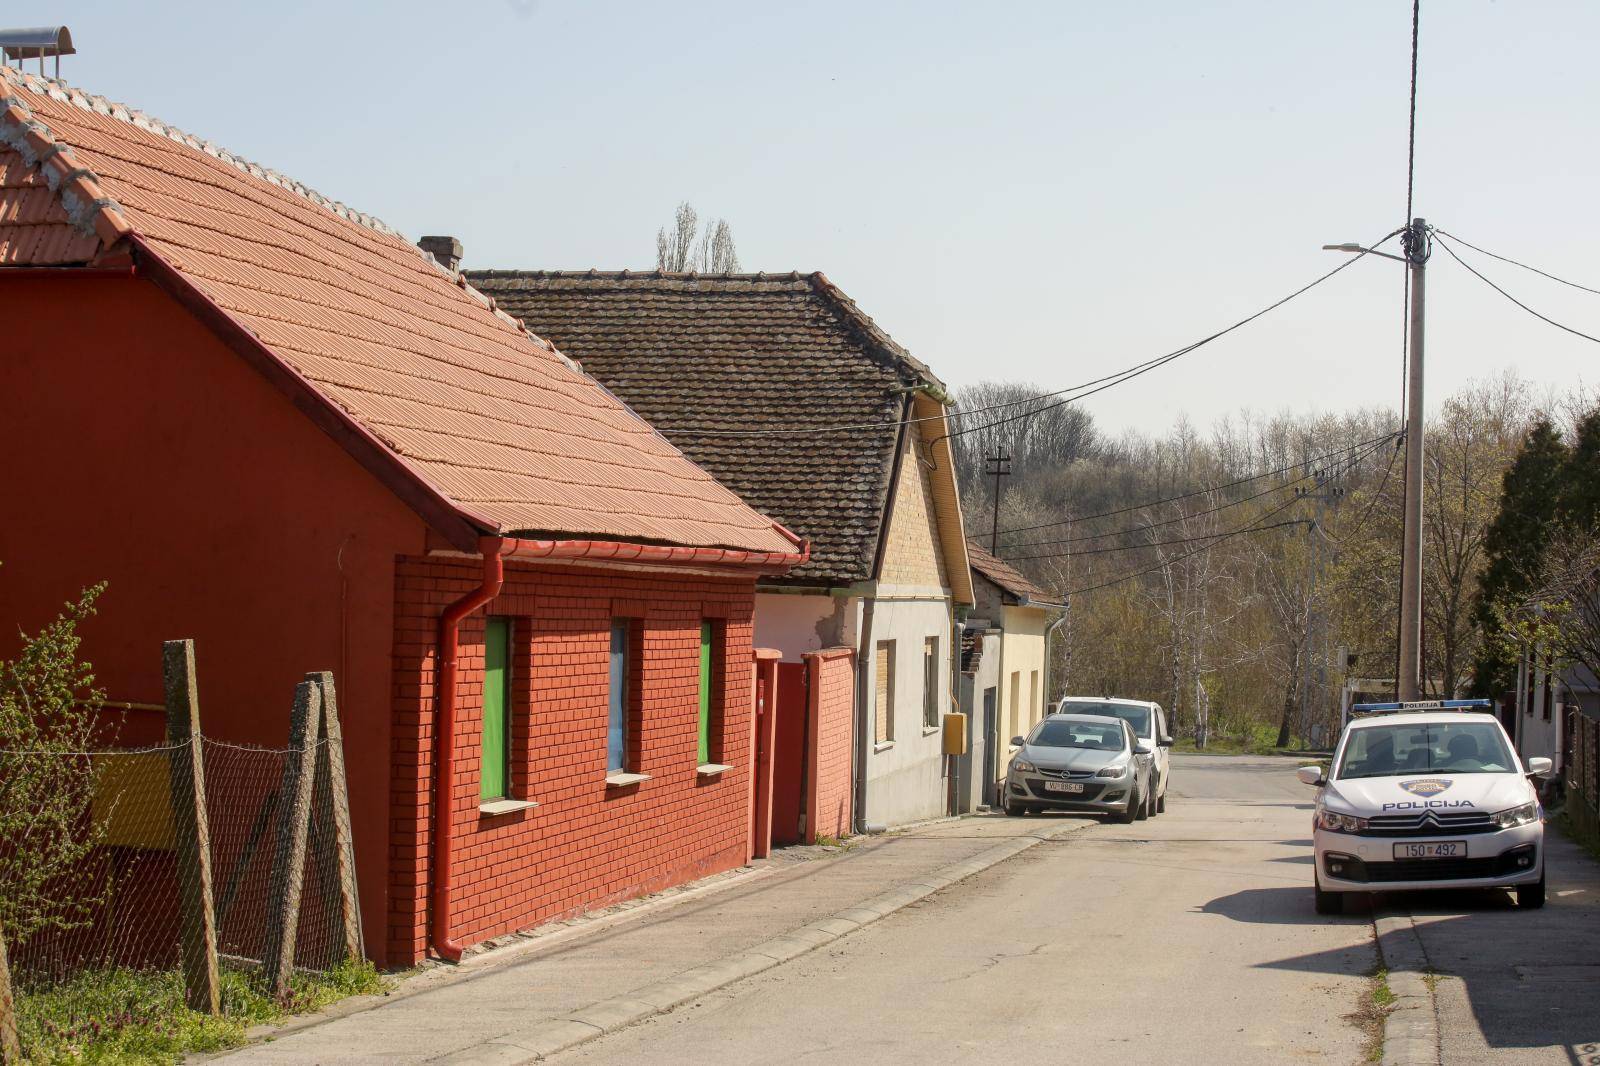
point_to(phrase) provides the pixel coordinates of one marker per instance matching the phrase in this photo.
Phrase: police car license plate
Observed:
(1062, 786)
(1434, 849)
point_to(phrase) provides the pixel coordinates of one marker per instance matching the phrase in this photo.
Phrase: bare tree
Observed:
(683, 247)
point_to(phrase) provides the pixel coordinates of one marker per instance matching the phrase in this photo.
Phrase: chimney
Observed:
(446, 251)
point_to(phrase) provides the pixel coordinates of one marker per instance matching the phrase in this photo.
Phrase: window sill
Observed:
(490, 808)
(930, 730)
(711, 769)
(884, 746)
(619, 779)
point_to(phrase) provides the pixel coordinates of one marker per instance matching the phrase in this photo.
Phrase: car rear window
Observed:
(1132, 713)
(1066, 733)
(1397, 748)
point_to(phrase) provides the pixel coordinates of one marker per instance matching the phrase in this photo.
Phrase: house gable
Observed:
(913, 549)
(495, 424)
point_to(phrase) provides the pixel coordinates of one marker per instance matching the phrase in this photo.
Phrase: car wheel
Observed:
(1531, 895)
(1128, 816)
(1161, 803)
(1144, 807)
(1013, 810)
(1328, 902)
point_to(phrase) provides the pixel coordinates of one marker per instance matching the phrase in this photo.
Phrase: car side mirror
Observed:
(1165, 742)
(1539, 766)
(1311, 775)
(1141, 749)
(1017, 742)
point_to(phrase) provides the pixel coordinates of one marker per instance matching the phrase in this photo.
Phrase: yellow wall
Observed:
(913, 554)
(1022, 652)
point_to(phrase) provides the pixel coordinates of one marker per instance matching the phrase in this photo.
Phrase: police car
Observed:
(1426, 795)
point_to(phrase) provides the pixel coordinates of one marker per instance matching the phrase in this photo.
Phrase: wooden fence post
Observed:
(191, 829)
(10, 1048)
(337, 856)
(289, 858)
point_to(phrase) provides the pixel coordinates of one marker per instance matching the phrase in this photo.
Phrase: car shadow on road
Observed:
(1284, 905)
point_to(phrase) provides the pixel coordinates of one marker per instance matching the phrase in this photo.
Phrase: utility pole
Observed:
(1418, 246)
(998, 465)
(1418, 241)
(1328, 490)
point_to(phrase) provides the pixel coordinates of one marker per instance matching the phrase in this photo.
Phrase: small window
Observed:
(494, 768)
(930, 682)
(617, 733)
(710, 732)
(883, 717)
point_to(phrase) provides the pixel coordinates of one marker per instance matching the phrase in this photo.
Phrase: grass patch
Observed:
(138, 1016)
(1373, 1006)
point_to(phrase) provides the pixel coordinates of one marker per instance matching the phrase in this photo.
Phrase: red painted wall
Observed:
(832, 691)
(584, 845)
(135, 448)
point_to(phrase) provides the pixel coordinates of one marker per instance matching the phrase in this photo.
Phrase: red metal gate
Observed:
(790, 752)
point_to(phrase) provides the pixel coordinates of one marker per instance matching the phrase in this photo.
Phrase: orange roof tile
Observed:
(495, 421)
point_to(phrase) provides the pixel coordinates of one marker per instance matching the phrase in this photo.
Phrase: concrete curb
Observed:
(607, 1016)
(1411, 1028)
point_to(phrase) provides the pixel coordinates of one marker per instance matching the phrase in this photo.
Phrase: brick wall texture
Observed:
(912, 552)
(585, 845)
(832, 687)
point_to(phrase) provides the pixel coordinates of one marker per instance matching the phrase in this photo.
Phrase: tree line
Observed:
(1243, 573)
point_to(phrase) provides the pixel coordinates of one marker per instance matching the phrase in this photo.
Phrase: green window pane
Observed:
(705, 693)
(494, 772)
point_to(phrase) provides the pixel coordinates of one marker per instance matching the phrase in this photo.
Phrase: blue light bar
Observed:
(1424, 705)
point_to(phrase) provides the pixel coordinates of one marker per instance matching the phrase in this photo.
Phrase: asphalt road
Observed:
(1186, 938)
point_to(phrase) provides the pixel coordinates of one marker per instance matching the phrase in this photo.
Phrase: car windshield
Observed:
(1438, 747)
(1068, 733)
(1132, 713)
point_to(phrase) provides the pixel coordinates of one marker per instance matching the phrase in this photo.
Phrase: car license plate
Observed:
(1062, 786)
(1434, 849)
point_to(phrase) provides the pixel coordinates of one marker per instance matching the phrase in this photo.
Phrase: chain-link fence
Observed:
(1583, 775)
(171, 871)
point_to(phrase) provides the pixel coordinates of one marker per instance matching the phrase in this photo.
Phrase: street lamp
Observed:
(1408, 673)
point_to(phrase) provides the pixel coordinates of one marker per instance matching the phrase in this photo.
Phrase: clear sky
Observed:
(1027, 191)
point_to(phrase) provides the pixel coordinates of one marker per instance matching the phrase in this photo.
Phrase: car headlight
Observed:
(1113, 771)
(1340, 823)
(1022, 766)
(1510, 819)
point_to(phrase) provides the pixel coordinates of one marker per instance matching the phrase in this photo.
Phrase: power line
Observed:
(1411, 184)
(1361, 520)
(1178, 540)
(1193, 552)
(1102, 383)
(1513, 262)
(1185, 517)
(1203, 491)
(1543, 318)
(1136, 547)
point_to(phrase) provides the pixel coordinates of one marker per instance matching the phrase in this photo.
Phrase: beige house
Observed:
(1010, 675)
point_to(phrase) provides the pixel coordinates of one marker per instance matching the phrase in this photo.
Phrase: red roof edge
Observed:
(458, 526)
(662, 554)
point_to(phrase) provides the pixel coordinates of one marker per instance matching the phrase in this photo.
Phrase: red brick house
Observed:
(277, 427)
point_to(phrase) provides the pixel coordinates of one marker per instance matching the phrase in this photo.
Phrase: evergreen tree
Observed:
(1579, 506)
(1530, 497)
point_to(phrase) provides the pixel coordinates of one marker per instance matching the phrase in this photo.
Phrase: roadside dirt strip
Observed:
(549, 1037)
(1411, 1028)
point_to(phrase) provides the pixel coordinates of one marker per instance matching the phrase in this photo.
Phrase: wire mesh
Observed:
(90, 877)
